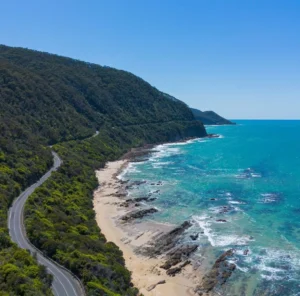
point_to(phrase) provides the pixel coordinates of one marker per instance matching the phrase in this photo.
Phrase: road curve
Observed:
(64, 284)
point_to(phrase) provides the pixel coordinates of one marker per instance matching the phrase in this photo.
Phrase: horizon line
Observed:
(285, 119)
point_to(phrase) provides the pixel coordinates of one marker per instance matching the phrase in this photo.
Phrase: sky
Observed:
(239, 58)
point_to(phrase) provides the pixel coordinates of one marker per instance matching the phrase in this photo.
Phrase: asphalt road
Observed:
(64, 284)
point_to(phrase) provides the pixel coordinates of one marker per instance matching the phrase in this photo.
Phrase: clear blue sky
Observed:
(240, 58)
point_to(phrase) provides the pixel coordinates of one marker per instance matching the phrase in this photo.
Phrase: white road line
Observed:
(49, 262)
(24, 239)
(55, 267)
(57, 278)
(16, 223)
(19, 206)
(45, 260)
(53, 287)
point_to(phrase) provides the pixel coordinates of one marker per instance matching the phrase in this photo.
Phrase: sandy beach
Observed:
(145, 271)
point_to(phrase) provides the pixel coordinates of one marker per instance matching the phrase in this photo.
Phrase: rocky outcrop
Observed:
(178, 255)
(213, 136)
(175, 270)
(165, 242)
(135, 183)
(130, 201)
(194, 236)
(218, 275)
(138, 214)
(150, 288)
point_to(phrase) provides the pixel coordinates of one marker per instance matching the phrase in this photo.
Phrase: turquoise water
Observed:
(249, 177)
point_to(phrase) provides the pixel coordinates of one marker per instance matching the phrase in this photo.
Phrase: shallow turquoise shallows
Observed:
(249, 180)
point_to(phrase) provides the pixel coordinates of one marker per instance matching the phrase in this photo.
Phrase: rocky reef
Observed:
(218, 275)
(138, 214)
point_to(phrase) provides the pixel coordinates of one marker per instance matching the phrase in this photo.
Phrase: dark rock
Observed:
(194, 236)
(166, 241)
(138, 214)
(170, 262)
(121, 193)
(219, 273)
(226, 209)
(125, 204)
(150, 288)
(178, 254)
(135, 183)
(139, 160)
(138, 153)
(246, 252)
(175, 270)
(138, 199)
(139, 235)
(213, 136)
(124, 181)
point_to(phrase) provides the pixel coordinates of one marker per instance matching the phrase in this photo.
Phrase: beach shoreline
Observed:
(146, 272)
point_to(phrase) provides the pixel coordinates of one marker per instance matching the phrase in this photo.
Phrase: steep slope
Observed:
(210, 117)
(51, 100)
(67, 99)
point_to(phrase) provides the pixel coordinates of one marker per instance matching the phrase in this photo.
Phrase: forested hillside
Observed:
(210, 117)
(51, 100)
(62, 99)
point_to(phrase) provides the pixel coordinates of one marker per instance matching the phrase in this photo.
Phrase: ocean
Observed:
(240, 191)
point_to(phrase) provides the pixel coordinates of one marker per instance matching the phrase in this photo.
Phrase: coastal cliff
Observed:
(51, 100)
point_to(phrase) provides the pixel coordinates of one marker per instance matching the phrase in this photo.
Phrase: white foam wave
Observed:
(243, 269)
(268, 198)
(241, 252)
(130, 168)
(272, 277)
(268, 194)
(236, 202)
(169, 149)
(219, 239)
(256, 175)
(162, 151)
(160, 164)
(196, 140)
(277, 264)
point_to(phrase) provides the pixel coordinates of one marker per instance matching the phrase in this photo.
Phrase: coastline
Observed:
(146, 272)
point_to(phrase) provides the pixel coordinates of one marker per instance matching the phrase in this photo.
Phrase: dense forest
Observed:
(210, 117)
(51, 100)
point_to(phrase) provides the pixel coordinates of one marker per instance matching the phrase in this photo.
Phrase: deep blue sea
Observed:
(250, 177)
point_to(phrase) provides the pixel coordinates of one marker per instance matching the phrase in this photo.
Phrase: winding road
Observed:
(64, 283)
